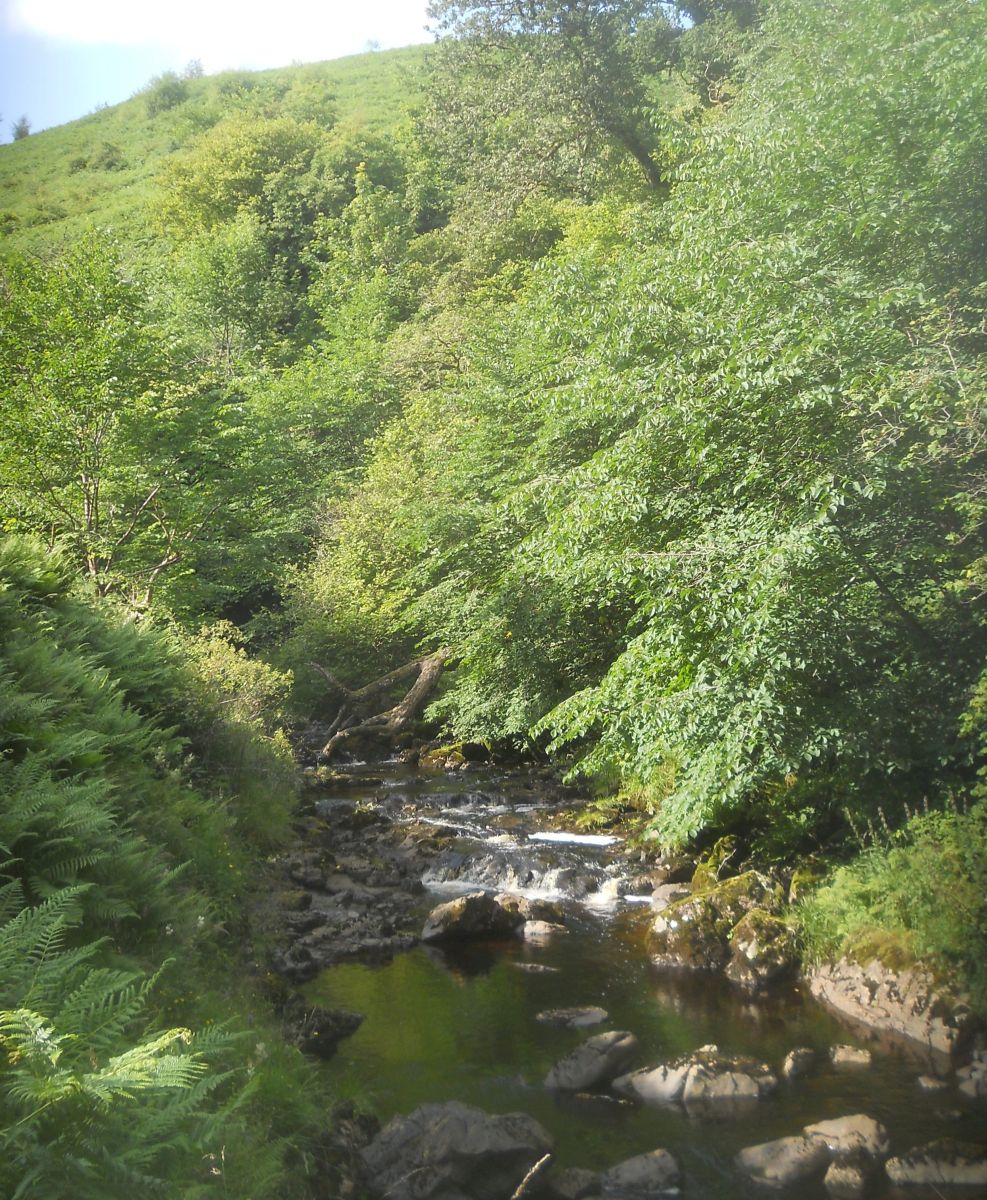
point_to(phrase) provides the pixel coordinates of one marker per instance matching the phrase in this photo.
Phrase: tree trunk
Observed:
(351, 723)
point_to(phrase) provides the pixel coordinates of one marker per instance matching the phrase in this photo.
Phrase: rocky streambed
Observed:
(537, 1012)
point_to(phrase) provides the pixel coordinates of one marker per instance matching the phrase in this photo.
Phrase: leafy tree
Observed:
(546, 94)
(21, 129)
(108, 445)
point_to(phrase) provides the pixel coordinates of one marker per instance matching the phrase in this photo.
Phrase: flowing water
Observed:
(460, 1024)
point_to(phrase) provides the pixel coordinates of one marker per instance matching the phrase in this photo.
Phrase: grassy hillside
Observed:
(100, 169)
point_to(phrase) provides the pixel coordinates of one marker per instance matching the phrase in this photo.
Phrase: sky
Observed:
(60, 59)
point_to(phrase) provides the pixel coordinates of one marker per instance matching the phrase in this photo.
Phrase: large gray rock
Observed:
(477, 914)
(695, 932)
(763, 950)
(712, 1092)
(846, 1135)
(640, 1178)
(784, 1161)
(453, 1152)
(905, 1004)
(597, 1061)
(706, 1082)
(943, 1162)
(655, 1085)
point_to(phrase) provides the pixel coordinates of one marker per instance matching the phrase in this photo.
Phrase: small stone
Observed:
(572, 1018)
(597, 1061)
(535, 968)
(849, 1058)
(972, 1080)
(642, 1177)
(797, 1062)
(538, 931)
(932, 1083)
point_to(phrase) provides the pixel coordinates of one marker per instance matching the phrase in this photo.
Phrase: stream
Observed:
(459, 1023)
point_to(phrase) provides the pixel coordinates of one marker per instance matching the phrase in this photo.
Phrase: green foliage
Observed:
(919, 892)
(701, 500)
(140, 780)
(54, 206)
(165, 92)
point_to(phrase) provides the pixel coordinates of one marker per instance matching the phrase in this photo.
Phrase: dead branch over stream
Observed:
(356, 718)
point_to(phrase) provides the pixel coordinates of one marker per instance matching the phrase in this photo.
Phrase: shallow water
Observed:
(460, 1025)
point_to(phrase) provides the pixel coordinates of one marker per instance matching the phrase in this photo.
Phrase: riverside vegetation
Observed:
(631, 356)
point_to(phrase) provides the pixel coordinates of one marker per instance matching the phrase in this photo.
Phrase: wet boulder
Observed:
(532, 908)
(315, 1030)
(857, 1133)
(477, 914)
(695, 932)
(643, 1177)
(944, 1162)
(763, 949)
(849, 1175)
(594, 1063)
(850, 1058)
(784, 1161)
(706, 1082)
(655, 1085)
(797, 1062)
(667, 893)
(453, 1150)
(541, 931)
(972, 1079)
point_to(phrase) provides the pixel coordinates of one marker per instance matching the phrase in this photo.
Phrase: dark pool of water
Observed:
(443, 1025)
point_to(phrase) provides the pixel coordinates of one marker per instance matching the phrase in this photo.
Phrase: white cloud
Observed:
(227, 33)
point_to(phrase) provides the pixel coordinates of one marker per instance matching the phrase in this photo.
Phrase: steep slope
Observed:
(100, 169)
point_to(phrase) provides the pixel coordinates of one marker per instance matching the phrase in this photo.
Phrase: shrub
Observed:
(918, 893)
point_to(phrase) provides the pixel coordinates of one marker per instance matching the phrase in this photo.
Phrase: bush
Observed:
(164, 92)
(915, 894)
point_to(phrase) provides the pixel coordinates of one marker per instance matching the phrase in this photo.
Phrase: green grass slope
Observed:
(100, 170)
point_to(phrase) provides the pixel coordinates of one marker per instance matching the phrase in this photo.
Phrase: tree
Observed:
(535, 94)
(21, 129)
(107, 443)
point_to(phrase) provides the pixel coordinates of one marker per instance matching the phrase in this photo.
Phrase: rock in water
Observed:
(784, 1161)
(846, 1135)
(850, 1058)
(943, 1162)
(644, 1177)
(596, 1061)
(453, 1150)
(707, 1082)
(572, 1018)
(763, 949)
(477, 914)
(797, 1062)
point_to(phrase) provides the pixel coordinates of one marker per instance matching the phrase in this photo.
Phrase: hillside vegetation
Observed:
(638, 366)
(101, 170)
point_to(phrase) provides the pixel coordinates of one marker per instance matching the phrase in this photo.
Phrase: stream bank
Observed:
(458, 1020)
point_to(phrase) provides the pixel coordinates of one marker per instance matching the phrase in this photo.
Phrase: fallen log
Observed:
(352, 720)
